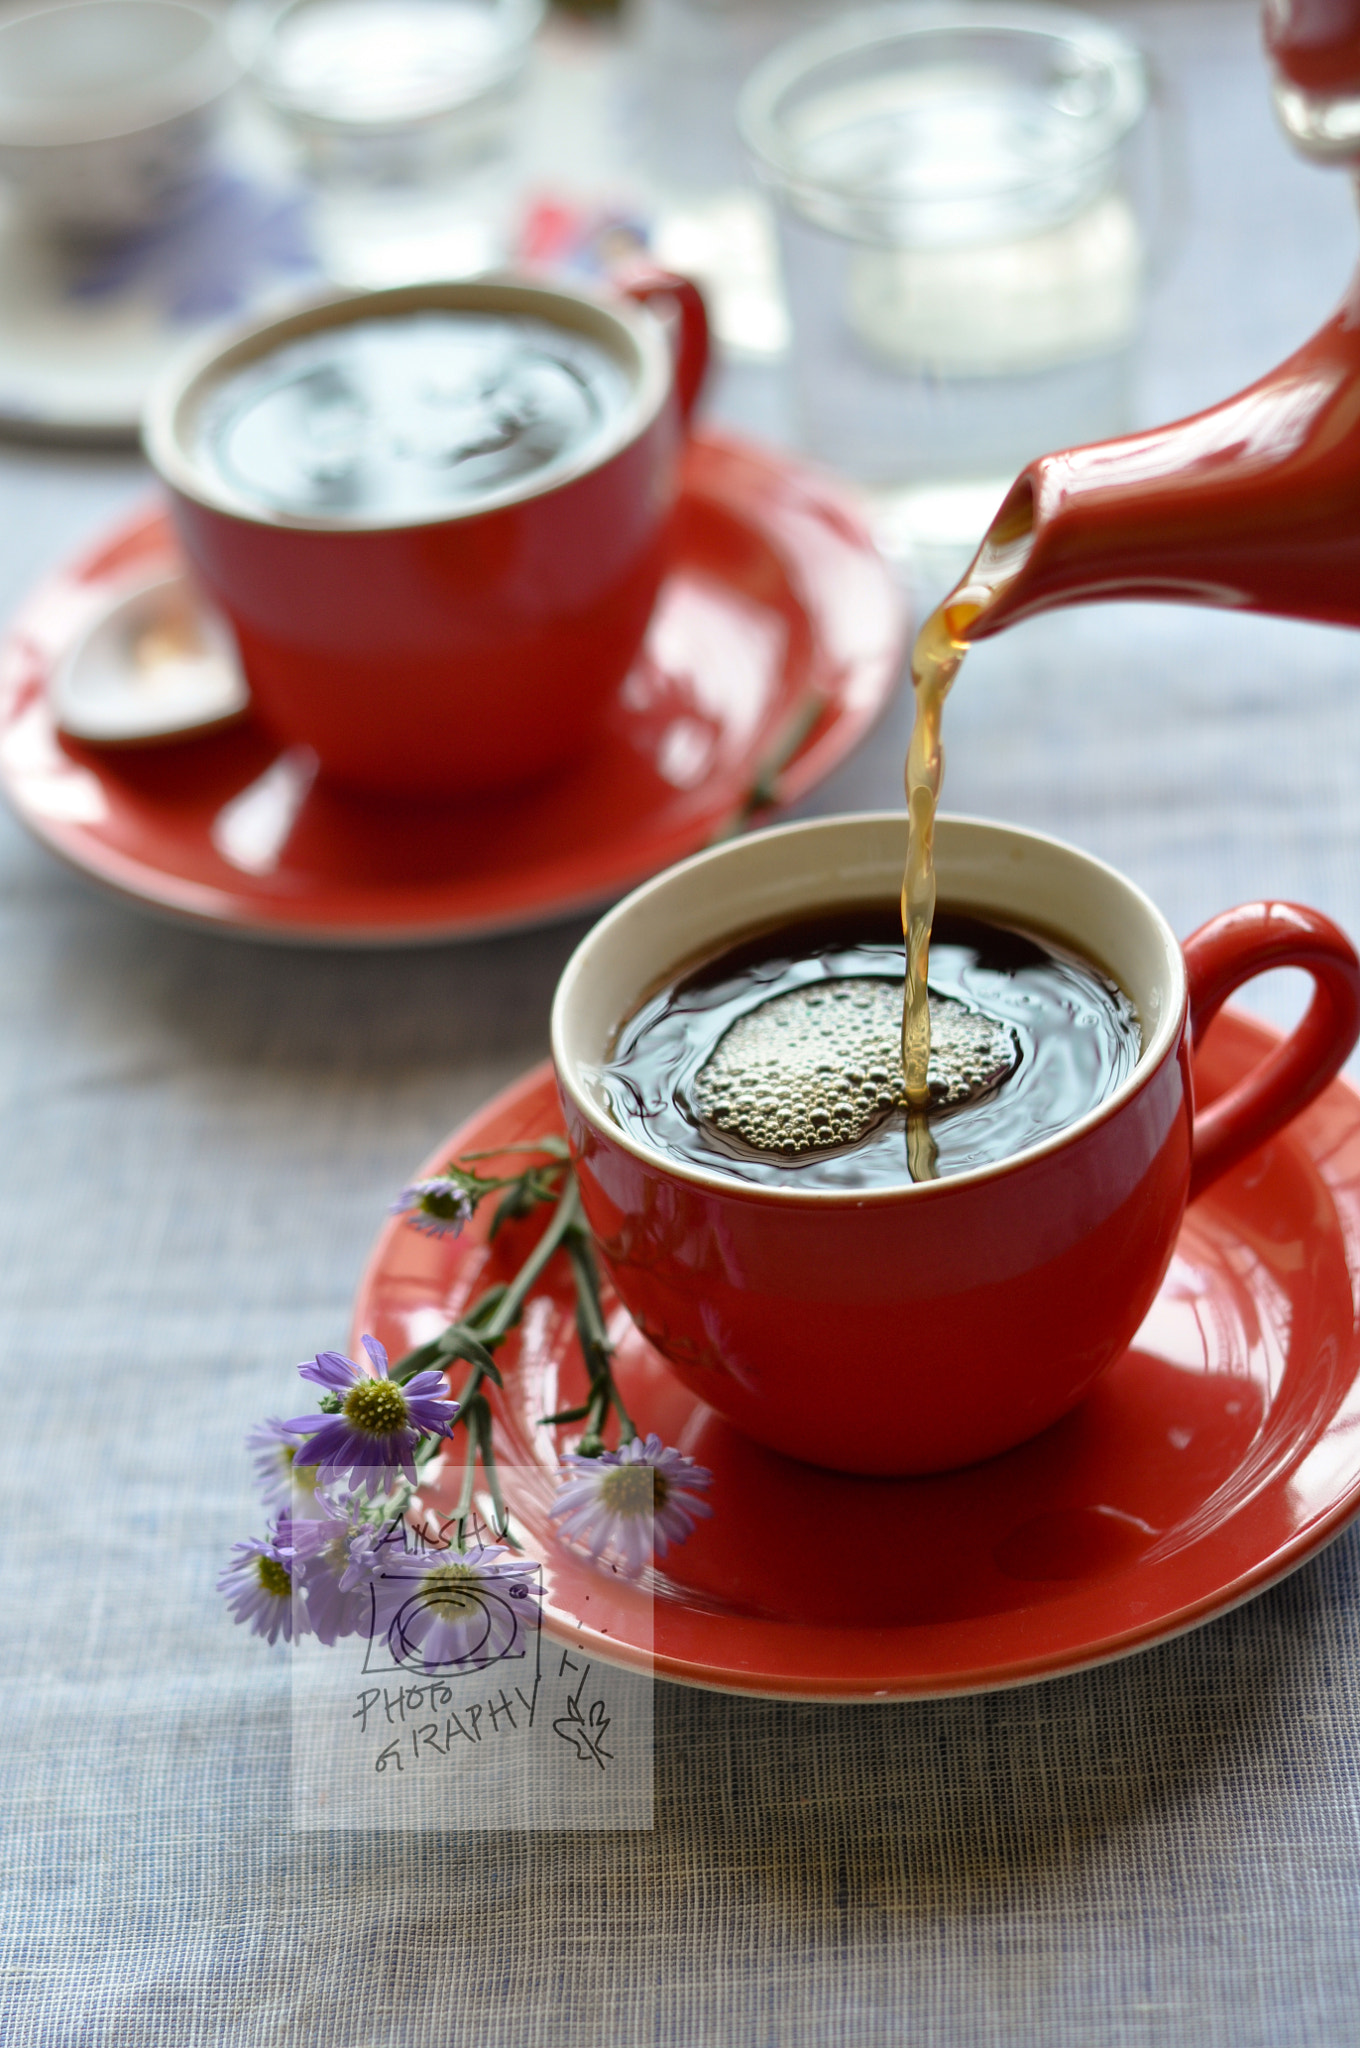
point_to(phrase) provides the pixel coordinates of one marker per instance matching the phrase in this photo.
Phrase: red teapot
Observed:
(1254, 504)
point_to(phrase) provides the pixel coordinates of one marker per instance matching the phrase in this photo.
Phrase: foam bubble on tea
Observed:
(820, 1065)
(410, 416)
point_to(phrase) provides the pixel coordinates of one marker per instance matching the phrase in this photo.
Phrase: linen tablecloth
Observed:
(199, 1141)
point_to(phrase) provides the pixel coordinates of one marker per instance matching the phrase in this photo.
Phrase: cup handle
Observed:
(692, 348)
(1231, 949)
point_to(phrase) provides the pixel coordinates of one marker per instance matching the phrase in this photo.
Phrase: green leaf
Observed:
(419, 1360)
(565, 1415)
(459, 1342)
(555, 1147)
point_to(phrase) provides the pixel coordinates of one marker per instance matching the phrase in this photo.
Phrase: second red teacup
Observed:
(435, 517)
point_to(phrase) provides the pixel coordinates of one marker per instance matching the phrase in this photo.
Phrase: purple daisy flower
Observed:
(336, 1560)
(277, 1444)
(633, 1502)
(442, 1607)
(440, 1207)
(372, 1440)
(258, 1583)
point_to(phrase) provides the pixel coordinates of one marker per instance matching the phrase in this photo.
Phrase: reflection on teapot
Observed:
(1254, 504)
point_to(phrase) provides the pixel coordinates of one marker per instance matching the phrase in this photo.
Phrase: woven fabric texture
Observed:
(199, 1140)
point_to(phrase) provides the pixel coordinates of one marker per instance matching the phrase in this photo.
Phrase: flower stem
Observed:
(596, 1347)
(487, 1322)
(517, 1293)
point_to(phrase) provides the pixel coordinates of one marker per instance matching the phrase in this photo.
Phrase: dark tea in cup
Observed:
(439, 409)
(779, 1061)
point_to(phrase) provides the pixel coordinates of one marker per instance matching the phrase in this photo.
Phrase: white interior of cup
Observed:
(632, 336)
(695, 910)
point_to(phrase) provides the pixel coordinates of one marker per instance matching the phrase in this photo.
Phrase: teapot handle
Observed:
(649, 286)
(1231, 949)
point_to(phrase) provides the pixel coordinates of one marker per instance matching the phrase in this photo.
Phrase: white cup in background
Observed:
(107, 108)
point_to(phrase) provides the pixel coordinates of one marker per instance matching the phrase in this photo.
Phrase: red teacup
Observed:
(913, 1329)
(454, 651)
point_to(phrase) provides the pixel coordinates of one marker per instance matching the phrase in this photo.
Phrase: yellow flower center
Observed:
(274, 1577)
(634, 1489)
(451, 1590)
(376, 1407)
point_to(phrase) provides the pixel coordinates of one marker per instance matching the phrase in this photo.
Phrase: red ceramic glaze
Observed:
(1219, 1452)
(1253, 504)
(466, 653)
(975, 1310)
(1219, 957)
(778, 636)
(667, 294)
(970, 1317)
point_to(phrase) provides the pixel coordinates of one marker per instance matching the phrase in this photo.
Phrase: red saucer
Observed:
(778, 638)
(1218, 1454)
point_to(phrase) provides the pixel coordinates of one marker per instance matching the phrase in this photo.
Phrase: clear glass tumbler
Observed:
(401, 112)
(964, 254)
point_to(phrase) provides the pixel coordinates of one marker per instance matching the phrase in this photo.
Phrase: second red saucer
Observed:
(778, 638)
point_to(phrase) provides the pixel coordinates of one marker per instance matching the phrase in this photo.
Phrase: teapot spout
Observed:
(1254, 505)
